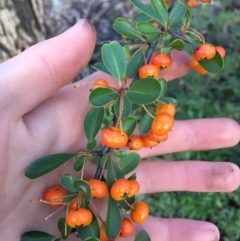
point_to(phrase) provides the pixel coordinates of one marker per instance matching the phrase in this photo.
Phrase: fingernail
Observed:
(87, 24)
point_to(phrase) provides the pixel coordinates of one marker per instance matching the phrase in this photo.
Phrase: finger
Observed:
(41, 70)
(177, 229)
(194, 176)
(200, 134)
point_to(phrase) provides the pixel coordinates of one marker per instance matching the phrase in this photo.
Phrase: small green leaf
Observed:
(124, 205)
(135, 62)
(147, 28)
(187, 20)
(146, 122)
(141, 17)
(114, 59)
(159, 6)
(101, 67)
(92, 239)
(126, 28)
(146, 10)
(177, 14)
(163, 84)
(92, 230)
(129, 125)
(91, 144)
(78, 164)
(213, 65)
(113, 222)
(142, 236)
(153, 38)
(168, 100)
(120, 154)
(102, 96)
(61, 228)
(144, 91)
(83, 187)
(69, 198)
(47, 164)
(37, 236)
(124, 106)
(133, 176)
(130, 162)
(177, 44)
(93, 121)
(67, 181)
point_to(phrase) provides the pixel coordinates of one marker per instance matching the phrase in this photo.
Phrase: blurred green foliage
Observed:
(208, 97)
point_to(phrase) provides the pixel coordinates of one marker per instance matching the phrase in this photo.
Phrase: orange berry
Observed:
(79, 217)
(55, 195)
(148, 70)
(162, 124)
(75, 203)
(120, 189)
(139, 213)
(135, 187)
(221, 51)
(100, 83)
(204, 51)
(99, 188)
(166, 108)
(147, 142)
(135, 143)
(153, 137)
(162, 60)
(126, 228)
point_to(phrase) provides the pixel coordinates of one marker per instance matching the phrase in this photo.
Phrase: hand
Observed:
(42, 115)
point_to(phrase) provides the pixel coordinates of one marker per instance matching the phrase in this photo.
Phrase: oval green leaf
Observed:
(163, 84)
(147, 28)
(146, 122)
(144, 91)
(159, 6)
(102, 96)
(61, 228)
(113, 222)
(126, 28)
(83, 187)
(47, 164)
(141, 17)
(123, 106)
(142, 236)
(168, 100)
(177, 14)
(101, 67)
(130, 162)
(69, 198)
(146, 10)
(129, 125)
(120, 154)
(114, 60)
(153, 38)
(213, 65)
(37, 236)
(67, 181)
(78, 164)
(177, 44)
(134, 63)
(92, 230)
(92, 239)
(91, 144)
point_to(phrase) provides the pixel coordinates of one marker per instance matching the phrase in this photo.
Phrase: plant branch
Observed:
(122, 42)
(176, 35)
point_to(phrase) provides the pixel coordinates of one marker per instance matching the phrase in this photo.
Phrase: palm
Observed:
(38, 121)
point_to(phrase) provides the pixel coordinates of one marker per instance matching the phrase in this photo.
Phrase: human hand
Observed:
(42, 115)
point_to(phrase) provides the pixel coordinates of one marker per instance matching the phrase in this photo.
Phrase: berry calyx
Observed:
(162, 60)
(139, 212)
(54, 196)
(204, 51)
(148, 70)
(99, 188)
(79, 217)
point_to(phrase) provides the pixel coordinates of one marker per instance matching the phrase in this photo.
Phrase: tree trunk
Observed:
(21, 25)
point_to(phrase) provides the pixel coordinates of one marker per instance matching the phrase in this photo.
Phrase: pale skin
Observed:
(42, 114)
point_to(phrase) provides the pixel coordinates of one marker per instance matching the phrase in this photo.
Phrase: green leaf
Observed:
(144, 91)
(102, 96)
(114, 59)
(67, 181)
(141, 17)
(159, 6)
(92, 239)
(78, 164)
(130, 162)
(120, 154)
(61, 228)
(187, 20)
(135, 62)
(213, 65)
(92, 230)
(91, 144)
(113, 222)
(126, 28)
(163, 84)
(177, 14)
(142, 236)
(69, 198)
(47, 164)
(113, 172)
(147, 28)
(146, 122)
(123, 204)
(83, 187)
(133, 176)
(104, 161)
(129, 125)
(177, 44)
(37, 236)
(153, 38)
(168, 100)
(101, 67)
(125, 107)
(93, 121)
(146, 10)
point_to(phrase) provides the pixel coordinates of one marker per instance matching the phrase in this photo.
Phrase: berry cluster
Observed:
(194, 3)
